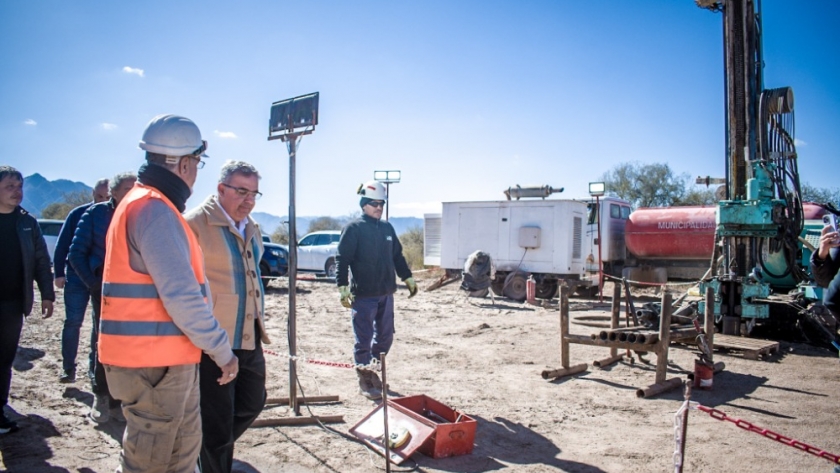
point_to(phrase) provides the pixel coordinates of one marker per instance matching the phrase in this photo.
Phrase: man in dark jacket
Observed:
(76, 294)
(370, 249)
(87, 257)
(25, 258)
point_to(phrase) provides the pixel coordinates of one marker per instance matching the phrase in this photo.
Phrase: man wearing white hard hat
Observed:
(370, 250)
(156, 320)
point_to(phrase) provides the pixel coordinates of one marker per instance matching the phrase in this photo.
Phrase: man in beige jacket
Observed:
(232, 247)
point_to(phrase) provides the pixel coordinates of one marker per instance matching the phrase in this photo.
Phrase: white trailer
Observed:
(551, 240)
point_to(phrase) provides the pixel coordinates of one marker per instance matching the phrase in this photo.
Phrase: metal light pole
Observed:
(387, 178)
(290, 120)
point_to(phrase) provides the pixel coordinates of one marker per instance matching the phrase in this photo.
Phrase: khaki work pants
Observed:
(163, 422)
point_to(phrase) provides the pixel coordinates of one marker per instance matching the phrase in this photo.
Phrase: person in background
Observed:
(86, 257)
(76, 294)
(370, 250)
(825, 266)
(25, 259)
(232, 246)
(156, 320)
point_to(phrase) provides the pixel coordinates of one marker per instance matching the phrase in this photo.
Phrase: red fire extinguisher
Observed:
(531, 290)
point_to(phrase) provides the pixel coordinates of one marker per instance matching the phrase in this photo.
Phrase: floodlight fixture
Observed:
(597, 189)
(293, 117)
(388, 177)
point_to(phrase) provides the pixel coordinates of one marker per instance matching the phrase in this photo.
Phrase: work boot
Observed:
(99, 411)
(374, 379)
(67, 376)
(7, 426)
(366, 386)
(116, 414)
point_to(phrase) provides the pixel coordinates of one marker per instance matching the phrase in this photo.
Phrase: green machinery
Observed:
(763, 244)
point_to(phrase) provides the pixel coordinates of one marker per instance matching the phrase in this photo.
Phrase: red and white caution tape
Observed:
(373, 366)
(748, 426)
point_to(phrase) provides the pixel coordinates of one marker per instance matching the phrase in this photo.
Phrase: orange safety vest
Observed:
(135, 329)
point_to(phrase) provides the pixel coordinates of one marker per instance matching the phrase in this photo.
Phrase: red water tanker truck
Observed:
(674, 242)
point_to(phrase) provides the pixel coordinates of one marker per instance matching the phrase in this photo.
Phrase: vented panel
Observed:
(577, 238)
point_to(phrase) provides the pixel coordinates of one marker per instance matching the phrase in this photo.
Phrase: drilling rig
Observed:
(762, 242)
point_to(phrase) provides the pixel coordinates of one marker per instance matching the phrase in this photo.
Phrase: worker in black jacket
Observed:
(23, 259)
(370, 250)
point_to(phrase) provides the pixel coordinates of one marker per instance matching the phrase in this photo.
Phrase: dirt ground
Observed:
(481, 358)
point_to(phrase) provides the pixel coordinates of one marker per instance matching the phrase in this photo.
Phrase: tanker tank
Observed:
(676, 241)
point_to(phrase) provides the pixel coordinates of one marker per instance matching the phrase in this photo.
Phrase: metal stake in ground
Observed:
(386, 439)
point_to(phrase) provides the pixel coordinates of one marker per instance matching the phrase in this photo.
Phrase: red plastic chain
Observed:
(720, 415)
(334, 364)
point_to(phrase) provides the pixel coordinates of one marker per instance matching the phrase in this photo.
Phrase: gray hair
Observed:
(101, 183)
(117, 180)
(10, 171)
(237, 167)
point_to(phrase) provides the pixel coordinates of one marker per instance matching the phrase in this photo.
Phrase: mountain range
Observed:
(38, 192)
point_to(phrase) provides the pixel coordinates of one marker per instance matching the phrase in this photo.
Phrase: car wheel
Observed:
(330, 268)
(515, 286)
(546, 289)
(265, 272)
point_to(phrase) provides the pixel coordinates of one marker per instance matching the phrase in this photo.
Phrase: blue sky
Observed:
(466, 98)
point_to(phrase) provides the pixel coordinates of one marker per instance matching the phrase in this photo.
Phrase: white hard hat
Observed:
(373, 190)
(172, 135)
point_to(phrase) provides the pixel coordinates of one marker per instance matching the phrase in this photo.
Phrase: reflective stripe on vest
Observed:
(136, 291)
(136, 330)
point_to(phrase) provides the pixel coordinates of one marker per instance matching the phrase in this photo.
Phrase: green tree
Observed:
(698, 196)
(646, 185)
(820, 194)
(412, 243)
(324, 223)
(69, 201)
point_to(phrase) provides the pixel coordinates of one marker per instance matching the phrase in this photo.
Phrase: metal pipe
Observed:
(296, 421)
(293, 404)
(386, 439)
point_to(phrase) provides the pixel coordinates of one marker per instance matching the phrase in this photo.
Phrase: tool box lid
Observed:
(371, 429)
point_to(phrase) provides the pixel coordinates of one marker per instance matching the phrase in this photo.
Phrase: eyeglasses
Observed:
(243, 192)
(200, 162)
(377, 203)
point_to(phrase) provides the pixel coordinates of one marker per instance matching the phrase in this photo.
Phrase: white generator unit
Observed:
(548, 240)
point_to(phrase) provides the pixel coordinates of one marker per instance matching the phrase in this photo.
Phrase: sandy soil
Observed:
(484, 359)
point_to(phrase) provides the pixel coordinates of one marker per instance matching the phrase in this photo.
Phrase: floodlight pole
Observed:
(387, 198)
(387, 178)
(293, 404)
(290, 120)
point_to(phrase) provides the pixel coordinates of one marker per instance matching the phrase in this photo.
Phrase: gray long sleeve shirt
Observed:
(159, 247)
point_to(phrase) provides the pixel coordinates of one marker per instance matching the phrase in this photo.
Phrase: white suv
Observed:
(316, 252)
(50, 229)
